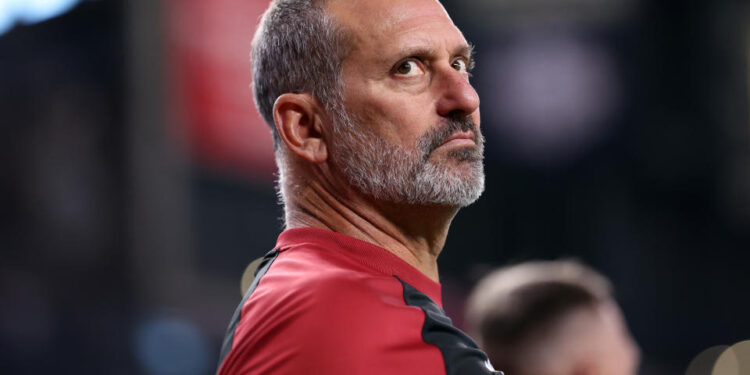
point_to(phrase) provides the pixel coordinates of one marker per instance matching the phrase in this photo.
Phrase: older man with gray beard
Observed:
(378, 146)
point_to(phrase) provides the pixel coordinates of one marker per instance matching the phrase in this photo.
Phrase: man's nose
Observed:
(456, 95)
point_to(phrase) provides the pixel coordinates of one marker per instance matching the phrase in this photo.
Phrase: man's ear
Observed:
(299, 121)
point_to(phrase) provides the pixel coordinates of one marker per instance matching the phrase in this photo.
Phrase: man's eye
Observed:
(461, 66)
(409, 68)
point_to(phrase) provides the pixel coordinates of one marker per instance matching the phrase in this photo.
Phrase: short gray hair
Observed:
(297, 48)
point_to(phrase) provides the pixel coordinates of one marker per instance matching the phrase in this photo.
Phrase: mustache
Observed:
(437, 136)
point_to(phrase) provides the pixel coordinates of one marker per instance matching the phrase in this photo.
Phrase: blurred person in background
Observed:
(551, 318)
(377, 140)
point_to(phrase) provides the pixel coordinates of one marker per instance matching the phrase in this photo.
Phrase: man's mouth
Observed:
(460, 138)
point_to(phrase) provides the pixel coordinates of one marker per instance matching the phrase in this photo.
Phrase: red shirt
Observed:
(326, 303)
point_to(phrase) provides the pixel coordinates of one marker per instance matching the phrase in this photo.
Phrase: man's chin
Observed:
(459, 185)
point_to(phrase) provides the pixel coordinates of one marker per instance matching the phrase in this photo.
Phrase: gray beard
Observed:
(397, 174)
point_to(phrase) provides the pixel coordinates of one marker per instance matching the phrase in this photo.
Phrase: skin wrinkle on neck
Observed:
(317, 206)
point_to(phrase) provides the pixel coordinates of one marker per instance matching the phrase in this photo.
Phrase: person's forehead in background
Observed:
(587, 340)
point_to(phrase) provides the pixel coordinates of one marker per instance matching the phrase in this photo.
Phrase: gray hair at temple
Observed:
(297, 48)
(513, 311)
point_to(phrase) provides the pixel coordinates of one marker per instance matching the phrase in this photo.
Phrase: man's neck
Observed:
(416, 234)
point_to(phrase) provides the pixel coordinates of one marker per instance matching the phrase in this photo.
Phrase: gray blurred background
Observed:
(137, 180)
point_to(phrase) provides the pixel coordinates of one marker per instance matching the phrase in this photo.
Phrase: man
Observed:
(551, 318)
(378, 145)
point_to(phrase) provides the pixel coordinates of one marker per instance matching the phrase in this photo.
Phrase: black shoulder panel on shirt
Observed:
(460, 354)
(264, 265)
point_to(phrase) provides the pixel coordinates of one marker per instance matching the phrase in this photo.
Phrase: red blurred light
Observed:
(208, 67)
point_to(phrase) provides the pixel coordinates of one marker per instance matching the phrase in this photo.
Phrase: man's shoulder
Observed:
(332, 317)
(303, 287)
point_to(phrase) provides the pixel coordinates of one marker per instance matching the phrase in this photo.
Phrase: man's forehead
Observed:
(367, 18)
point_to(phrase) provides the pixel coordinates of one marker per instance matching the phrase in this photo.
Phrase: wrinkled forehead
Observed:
(375, 21)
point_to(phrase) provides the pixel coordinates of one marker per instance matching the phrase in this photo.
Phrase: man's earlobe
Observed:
(299, 123)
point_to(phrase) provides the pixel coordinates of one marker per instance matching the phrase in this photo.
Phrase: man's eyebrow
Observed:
(465, 50)
(419, 51)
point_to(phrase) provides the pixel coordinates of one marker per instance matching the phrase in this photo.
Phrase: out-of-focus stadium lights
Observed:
(722, 360)
(31, 11)
(553, 96)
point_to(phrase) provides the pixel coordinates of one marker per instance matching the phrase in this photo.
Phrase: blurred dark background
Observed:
(137, 180)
